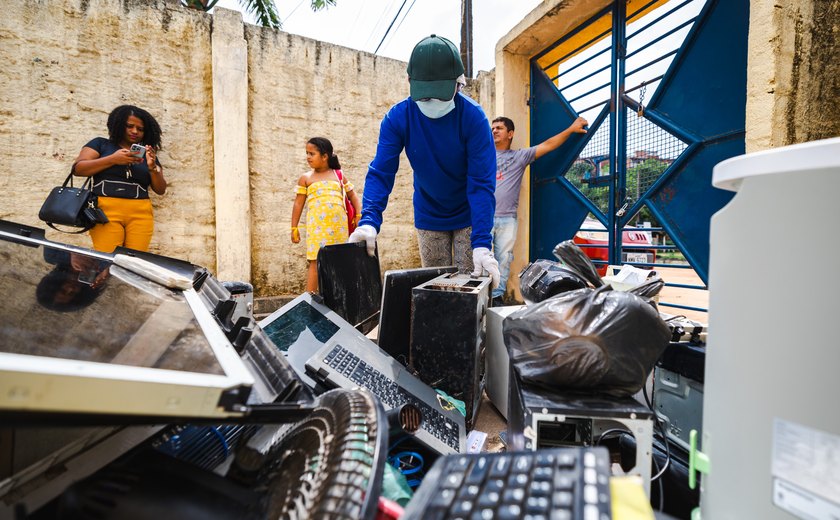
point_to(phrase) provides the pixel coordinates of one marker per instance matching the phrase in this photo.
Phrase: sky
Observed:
(362, 24)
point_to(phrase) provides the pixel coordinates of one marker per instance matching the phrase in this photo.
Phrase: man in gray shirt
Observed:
(510, 166)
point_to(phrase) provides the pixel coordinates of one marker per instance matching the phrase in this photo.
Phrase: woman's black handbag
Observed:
(69, 206)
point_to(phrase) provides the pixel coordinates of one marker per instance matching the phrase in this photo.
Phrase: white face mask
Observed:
(435, 108)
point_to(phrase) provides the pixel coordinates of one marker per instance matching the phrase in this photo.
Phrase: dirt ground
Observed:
(491, 422)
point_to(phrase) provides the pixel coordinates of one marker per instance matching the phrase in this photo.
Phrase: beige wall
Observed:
(302, 88)
(793, 76)
(68, 63)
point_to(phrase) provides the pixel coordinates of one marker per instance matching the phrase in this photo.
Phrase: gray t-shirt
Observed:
(510, 166)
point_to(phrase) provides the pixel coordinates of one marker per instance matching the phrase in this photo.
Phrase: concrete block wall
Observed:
(68, 63)
(301, 88)
(793, 76)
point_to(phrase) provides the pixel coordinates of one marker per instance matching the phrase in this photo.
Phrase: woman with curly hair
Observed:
(122, 175)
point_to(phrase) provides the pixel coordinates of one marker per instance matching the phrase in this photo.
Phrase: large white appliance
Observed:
(771, 420)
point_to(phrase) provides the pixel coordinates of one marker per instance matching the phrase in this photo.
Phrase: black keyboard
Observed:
(391, 394)
(552, 484)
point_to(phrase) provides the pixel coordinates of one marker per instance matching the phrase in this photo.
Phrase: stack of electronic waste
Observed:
(133, 386)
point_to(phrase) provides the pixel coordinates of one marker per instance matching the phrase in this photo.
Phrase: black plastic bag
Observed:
(571, 255)
(649, 288)
(542, 279)
(597, 340)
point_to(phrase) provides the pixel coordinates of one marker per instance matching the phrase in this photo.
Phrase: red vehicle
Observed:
(635, 245)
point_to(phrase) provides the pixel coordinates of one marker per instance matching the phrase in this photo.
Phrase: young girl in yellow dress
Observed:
(326, 216)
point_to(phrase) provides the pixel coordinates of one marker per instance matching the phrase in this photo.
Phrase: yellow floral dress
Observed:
(326, 218)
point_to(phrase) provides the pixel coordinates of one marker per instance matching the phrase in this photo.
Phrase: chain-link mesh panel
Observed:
(590, 173)
(650, 151)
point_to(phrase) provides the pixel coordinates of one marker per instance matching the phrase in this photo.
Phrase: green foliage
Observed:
(639, 178)
(580, 172)
(317, 5)
(265, 11)
(201, 5)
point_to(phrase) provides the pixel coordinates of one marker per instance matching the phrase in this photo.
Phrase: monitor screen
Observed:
(285, 330)
(80, 334)
(75, 305)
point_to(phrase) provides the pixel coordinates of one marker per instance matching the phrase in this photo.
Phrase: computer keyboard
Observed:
(553, 484)
(391, 394)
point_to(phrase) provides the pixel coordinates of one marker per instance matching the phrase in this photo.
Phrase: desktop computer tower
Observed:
(395, 312)
(497, 360)
(678, 391)
(542, 418)
(447, 336)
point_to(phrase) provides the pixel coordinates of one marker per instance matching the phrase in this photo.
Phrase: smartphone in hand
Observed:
(138, 150)
(88, 276)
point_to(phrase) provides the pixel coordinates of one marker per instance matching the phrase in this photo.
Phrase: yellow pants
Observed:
(131, 224)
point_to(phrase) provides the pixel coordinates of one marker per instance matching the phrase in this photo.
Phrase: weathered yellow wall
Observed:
(540, 28)
(67, 64)
(302, 88)
(793, 77)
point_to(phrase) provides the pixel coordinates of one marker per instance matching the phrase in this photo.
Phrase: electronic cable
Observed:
(412, 466)
(661, 486)
(657, 422)
(610, 431)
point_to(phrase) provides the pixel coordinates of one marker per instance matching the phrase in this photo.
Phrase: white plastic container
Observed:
(771, 418)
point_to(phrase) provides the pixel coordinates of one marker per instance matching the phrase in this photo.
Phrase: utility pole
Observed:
(467, 37)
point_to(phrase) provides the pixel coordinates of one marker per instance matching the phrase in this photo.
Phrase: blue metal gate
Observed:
(663, 85)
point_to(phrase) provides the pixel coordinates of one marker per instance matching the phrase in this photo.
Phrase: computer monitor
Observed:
(350, 283)
(82, 335)
(395, 312)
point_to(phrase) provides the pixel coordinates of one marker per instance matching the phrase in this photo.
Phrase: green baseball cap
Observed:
(434, 66)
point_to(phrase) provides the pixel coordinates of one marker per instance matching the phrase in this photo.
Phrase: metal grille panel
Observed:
(590, 173)
(650, 151)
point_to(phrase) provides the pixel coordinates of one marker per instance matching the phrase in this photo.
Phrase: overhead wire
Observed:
(381, 17)
(389, 26)
(401, 21)
(293, 11)
(356, 20)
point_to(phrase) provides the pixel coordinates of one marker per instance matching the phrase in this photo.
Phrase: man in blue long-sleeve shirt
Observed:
(448, 142)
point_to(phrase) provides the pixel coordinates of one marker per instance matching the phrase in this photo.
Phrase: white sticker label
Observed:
(808, 461)
(802, 504)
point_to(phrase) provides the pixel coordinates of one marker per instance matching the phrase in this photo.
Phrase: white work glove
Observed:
(367, 234)
(483, 260)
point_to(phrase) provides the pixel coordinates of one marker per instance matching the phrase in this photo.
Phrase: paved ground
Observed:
(689, 297)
